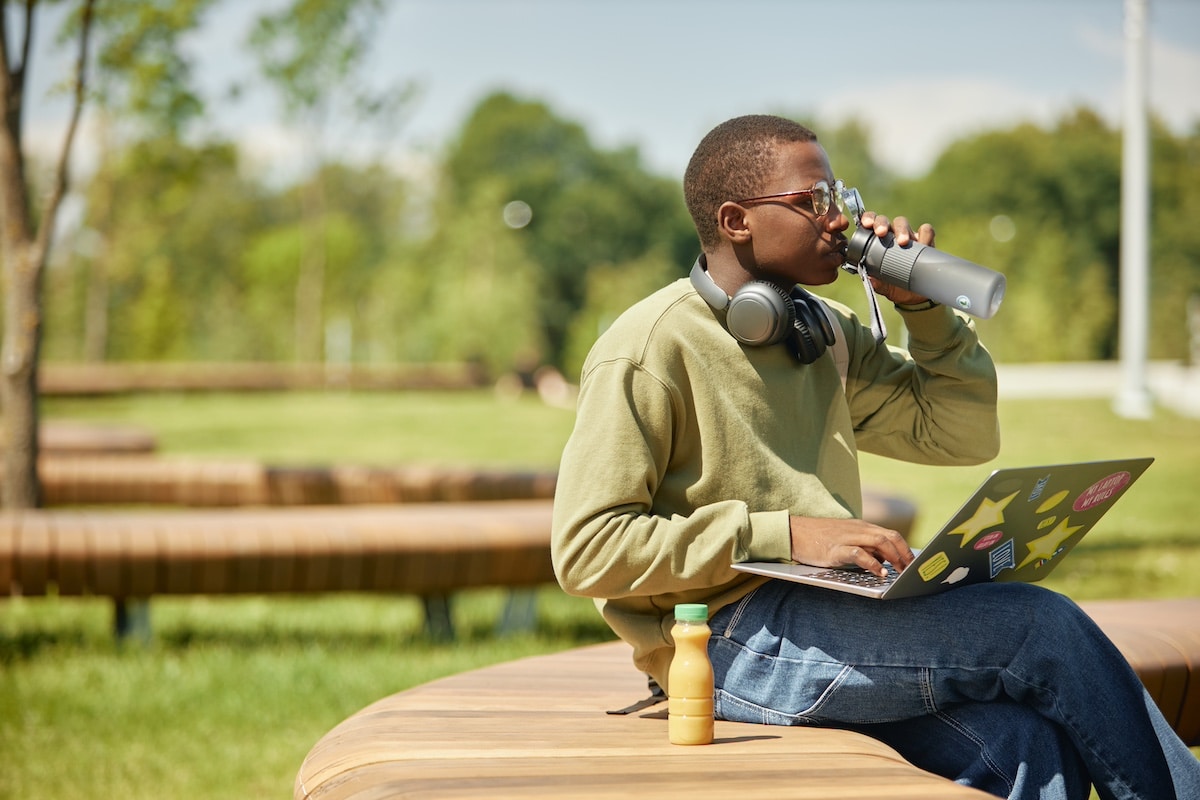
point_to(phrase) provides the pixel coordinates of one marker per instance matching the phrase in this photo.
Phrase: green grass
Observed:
(385, 428)
(232, 692)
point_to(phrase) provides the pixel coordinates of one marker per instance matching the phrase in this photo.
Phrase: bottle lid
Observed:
(692, 612)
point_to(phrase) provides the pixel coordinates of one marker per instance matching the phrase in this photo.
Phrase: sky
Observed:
(658, 74)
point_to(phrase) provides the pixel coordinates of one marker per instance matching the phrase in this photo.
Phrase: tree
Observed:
(26, 238)
(310, 51)
(1041, 206)
(143, 79)
(589, 207)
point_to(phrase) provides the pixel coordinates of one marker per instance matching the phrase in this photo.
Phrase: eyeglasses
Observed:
(849, 201)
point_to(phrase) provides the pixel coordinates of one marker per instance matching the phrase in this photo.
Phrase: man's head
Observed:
(733, 161)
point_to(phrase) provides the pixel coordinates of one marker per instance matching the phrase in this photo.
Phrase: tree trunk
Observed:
(310, 280)
(25, 248)
(18, 384)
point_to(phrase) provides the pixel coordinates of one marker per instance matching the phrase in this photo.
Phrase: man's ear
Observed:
(732, 222)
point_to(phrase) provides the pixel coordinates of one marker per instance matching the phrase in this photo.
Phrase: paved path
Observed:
(1172, 384)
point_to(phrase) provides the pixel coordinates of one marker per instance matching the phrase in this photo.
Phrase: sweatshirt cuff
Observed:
(932, 328)
(770, 537)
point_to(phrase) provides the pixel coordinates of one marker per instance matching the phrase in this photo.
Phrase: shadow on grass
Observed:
(34, 628)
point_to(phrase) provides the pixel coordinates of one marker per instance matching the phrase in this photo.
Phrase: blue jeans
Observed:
(1006, 687)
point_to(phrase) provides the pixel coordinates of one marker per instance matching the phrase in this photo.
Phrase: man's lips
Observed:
(839, 249)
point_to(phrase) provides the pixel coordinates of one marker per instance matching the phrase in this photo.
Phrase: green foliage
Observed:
(468, 293)
(310, 47)
(1043, 207)
(610, 289)
(142, 69)
(184, 257)
(590, 207)
(167, 223)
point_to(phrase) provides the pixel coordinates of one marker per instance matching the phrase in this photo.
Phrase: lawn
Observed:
(232, 692)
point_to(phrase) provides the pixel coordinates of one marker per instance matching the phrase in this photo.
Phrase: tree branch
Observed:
(27, 42)
(59, 188)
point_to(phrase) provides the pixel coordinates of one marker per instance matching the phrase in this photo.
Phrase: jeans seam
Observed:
(738, 610)
(928, 697)
(1080, 734)
(981, 745)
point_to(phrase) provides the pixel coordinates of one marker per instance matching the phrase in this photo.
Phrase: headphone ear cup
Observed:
(813, 332)
(760, 314)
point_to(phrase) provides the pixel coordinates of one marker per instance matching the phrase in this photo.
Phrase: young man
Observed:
(706, 437)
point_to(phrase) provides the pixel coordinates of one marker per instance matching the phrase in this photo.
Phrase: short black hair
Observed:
(732, 161)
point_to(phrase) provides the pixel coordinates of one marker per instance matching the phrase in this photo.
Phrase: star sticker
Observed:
(1045, 547)
(989, 514)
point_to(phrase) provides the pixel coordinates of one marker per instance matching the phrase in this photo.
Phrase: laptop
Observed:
(1017, 526)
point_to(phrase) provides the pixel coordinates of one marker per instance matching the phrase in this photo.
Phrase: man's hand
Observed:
(904, 235)
(842, 542)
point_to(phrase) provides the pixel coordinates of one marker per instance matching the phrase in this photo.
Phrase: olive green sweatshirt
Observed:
(690, 450)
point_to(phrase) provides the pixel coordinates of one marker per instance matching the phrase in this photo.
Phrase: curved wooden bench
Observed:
(537, 728)
(224, 483)
(427, 549)
(416, 548)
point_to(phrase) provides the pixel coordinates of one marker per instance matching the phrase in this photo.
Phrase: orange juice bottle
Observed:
(690, 678)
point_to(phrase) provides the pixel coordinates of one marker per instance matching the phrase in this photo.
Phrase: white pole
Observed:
(1134, 400)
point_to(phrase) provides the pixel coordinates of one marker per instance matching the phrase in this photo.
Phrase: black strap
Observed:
(657, 695)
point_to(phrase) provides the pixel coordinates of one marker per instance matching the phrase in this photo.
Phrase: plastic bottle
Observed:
(690, 678)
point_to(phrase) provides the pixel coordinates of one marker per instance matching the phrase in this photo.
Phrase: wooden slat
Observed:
(71, 561)
(8, 555)
(31, 566)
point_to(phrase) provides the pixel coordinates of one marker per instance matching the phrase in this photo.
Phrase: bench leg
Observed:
(438, 623)
(131, 619)
(520, 612)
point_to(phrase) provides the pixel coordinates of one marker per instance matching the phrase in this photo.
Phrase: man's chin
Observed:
(824, 278)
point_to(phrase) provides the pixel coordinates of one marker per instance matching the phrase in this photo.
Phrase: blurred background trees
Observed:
(522, 239)
(528, 239)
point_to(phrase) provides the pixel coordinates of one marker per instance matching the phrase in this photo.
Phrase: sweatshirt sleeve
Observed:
(934, 403)
(607, 539)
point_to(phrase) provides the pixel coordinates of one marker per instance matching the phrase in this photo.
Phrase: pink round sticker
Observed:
(1101, 491)
(985, 542)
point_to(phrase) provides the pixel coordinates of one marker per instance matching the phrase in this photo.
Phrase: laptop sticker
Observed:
(1002, 558)
(934, 567)
(957, 575)
(990, 514)
(1053, 501)
(990, 539)
(1047, 547)
(1102, 491)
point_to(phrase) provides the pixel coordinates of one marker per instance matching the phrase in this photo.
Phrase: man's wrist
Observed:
(928, 304)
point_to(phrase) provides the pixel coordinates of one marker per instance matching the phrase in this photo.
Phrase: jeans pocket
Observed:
(763, 677)
(751, 689)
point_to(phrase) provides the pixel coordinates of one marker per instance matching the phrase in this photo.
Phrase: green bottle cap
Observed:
(692, 612)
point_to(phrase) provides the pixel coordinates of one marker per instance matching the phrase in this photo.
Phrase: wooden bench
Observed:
(62, 438)
(537, 728)
(126, 480)
(427, 549)
(108, 378)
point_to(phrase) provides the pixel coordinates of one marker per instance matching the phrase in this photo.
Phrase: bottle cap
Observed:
(692, 612)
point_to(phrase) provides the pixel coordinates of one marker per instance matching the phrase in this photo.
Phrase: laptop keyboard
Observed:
(859, 577)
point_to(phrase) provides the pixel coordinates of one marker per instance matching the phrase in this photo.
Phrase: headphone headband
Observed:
(761, 313)
(706, 287)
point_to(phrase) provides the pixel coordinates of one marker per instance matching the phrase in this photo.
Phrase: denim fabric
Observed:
(1007, 687)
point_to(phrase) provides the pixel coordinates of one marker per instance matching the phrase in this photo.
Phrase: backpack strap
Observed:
(841, 353)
